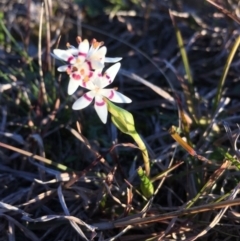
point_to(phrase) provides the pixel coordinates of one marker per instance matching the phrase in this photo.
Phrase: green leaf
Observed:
(188, 89)
(103, 201)
(229, 157)
(225, 72)
(18, 47)
(146, 185)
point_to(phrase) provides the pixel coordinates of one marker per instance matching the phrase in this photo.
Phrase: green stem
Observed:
(143, 148)
(124, 121)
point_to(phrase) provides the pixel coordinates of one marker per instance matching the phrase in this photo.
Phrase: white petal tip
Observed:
(101, 110)
(75, 107)
(62, 68)
(71, 91)
(57, 52)
(72, 86)
(112, 60)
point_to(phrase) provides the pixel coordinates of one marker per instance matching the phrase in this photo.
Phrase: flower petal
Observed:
(73, 51)
(72, 86)
(97, 64)
(96, 57)
(101, 108)
(55, 56)
(63, 68)
(109, 75)
(115, 96)
(100, 53)
(64, 55)
(71, 47)
(84, 101)
(83, 48)
(112, 60)
(87, 84)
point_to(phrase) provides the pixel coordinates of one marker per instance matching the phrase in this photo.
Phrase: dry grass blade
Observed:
(16, 137)
(155, 88)
(186, 146)
(225, 11)
(4, 87)
(16, 197)
(4, 117)
(211, 181)
(7, 207)
(232, 138)
(39, 158)
(23, 174)
(207, 133)
(25, 230)
(11, 231)
(48, 13)
(234, 215)
(181, 142)
(81, 138)
(161, 217)
(113, 197)
(218, 217)
(60, 177)
(120, 233)
(66, 211)
(48, 218)
(39, 141)
(39, 199)
(161, 175)
(43, 92)
(50, 118)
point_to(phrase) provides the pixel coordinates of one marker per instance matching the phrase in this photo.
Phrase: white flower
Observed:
(82, 61)
(96, 86)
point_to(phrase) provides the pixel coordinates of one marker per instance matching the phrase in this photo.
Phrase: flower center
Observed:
(97, 89)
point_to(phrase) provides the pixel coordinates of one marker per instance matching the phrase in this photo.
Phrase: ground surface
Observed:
(66, 176)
